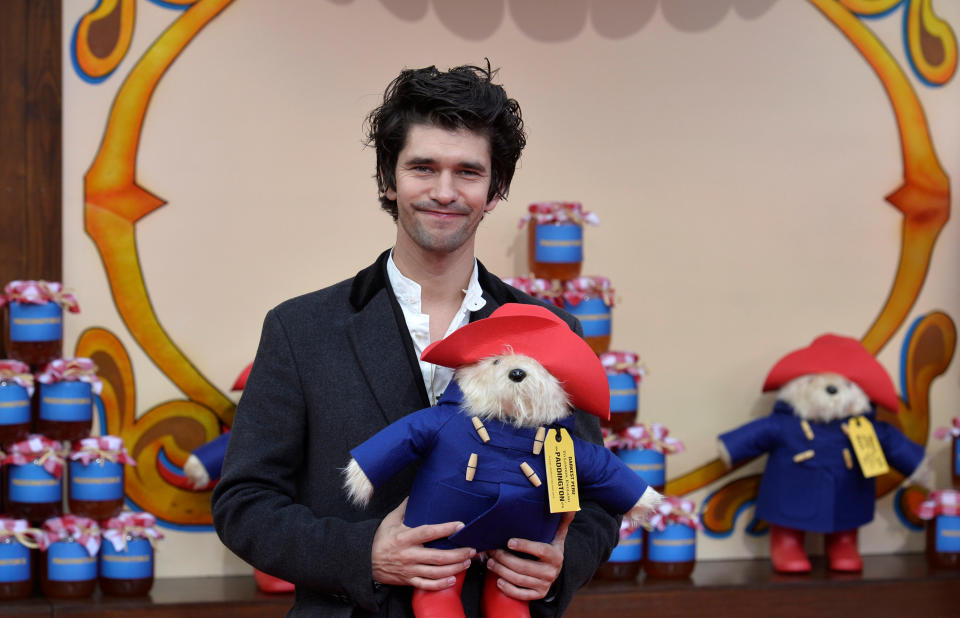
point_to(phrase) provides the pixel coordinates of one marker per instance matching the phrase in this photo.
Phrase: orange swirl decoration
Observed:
(102, 38)
(114, 203)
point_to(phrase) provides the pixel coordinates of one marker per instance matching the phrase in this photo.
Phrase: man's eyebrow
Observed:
(470, 165)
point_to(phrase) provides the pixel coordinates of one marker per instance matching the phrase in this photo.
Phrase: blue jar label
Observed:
(70, 562)
(14, 562)
(675, 543)
(623, 392)
(558, 244)
(31, 483)
(14, 404)
(629, 549)
(66, 401)
(649, 465)
(948, 534)
(30, 322)
(594, 316)
(134, 563)
(96, 481)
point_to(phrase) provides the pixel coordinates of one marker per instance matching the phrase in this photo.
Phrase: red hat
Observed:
(536, 332)
(837, 354)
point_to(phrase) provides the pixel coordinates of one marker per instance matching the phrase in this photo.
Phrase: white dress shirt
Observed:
(408, 293)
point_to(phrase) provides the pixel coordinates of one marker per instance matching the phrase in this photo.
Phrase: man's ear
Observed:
(391, 194)
(491, 204)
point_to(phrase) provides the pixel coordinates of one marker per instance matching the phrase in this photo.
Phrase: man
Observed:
(336, 366)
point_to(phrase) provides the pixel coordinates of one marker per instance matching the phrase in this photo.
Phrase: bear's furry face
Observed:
(512, 388)
(824, 397)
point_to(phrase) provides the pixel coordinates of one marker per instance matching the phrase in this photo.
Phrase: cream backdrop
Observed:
(737, 154)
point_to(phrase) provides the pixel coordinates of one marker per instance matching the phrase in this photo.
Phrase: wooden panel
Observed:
(30, 141)
(43, 141)
(13, 175)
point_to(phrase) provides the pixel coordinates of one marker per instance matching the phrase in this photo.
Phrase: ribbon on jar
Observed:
(71, 370)
(45, 452)
(20, 530)
(558, 212)
(109, 448)
(943, 502)
(18, 373)
(674, 510)
(579, 289)
(549, 290)
(39, 293)
(653, 437)
(945, 433)
(136, 525)
(83, 530)
(618, 362)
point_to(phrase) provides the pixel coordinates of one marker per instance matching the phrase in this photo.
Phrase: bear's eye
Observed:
(831, 389)
(496, 361)
(517, 375)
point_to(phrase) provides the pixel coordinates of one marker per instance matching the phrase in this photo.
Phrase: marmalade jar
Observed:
(624, 398)
(626, 559)
(32, 478)
(555, 250)
(95, 488)
(128, 572)
(68, 569)
(17, 540)
(15, 411)
(66, 410)
(35, 332)
(671, 552)
(127, 555)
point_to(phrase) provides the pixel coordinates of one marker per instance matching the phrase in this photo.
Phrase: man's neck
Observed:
(442, 276)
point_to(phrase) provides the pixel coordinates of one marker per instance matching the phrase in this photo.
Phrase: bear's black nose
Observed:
(831, 389)
(517, 375)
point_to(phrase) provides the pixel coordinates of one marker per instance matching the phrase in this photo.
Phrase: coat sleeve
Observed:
(753, 439)
(900, 452)
(255, 507)
(399, 444)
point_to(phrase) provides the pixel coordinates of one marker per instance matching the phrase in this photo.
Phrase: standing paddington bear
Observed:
(815, 479)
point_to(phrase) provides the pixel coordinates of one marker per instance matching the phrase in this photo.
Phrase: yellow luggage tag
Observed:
(561, 472)
(867, 447)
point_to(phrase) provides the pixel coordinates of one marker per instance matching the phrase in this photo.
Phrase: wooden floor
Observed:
(899, 585)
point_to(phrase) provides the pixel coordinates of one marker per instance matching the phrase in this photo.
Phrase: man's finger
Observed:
(565, 522)
(431, 532)
(440, 557)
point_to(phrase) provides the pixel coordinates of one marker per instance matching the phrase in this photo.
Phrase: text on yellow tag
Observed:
(561, 472)
(866, 447)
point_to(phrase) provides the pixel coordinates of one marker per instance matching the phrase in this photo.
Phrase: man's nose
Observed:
(443, 191)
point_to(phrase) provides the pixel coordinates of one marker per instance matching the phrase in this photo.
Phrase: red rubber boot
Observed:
(842, 552)
(440, 603)
(786, 550)
(498, 605)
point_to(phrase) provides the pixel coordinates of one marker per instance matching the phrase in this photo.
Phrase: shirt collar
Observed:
(408, 291)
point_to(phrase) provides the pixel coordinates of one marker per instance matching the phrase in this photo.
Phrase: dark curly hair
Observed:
(464, 97)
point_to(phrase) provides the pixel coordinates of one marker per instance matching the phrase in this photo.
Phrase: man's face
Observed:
(443, 177)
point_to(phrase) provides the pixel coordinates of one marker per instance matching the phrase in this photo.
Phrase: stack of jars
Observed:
(941, 509)
(644, 449)
(49, 458)
(555, 255)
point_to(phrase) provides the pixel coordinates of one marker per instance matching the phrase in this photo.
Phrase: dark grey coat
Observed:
(333, 368)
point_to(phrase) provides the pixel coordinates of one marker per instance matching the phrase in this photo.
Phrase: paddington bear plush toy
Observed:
(486, 446)
(823, 454)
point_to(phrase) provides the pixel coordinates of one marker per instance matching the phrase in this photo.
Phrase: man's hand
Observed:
(524, 579)
(399, 557)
